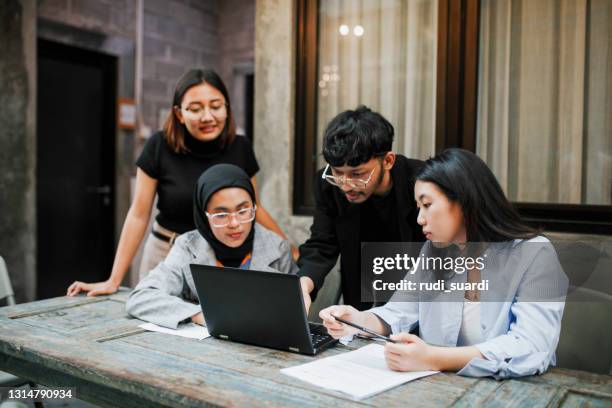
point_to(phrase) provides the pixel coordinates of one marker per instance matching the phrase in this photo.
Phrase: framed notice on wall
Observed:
(126, 113)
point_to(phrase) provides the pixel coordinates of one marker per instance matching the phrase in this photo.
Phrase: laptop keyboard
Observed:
(318, 335)
(318, 339)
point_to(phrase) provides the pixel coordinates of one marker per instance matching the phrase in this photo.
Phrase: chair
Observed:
(586, 332)
(6, 292)
(6, 289)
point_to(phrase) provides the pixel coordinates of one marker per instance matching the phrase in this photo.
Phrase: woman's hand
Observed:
(93, 289)
(198, 319)
(132, 234)
(295, 252)
(334, 327)
(409, 354)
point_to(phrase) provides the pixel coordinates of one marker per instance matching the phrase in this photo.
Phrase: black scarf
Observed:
(218, 177)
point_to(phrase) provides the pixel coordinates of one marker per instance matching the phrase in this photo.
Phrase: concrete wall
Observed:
(274, 126)
(275, 111)
(114, 17)
(18, 143)
(237, 51)
(236, 35)
(178, 36)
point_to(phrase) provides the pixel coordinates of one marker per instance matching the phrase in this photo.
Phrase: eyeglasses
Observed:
(197, 112)
(223, 219)
(340, 181)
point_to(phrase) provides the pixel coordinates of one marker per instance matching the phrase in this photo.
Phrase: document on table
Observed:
(346, 339)
(360, 373)
(191, 330)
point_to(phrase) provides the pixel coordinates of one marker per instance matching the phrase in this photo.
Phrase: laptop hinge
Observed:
(295, 349)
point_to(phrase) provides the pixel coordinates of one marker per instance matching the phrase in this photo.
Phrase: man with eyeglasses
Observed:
(364, 194)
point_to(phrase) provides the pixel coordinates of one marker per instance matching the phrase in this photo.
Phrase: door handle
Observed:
(98, 189)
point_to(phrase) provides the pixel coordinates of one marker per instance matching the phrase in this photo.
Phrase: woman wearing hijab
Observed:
(226, 235)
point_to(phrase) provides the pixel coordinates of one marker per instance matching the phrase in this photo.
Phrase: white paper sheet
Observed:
(190, 330)
(360, 373)
(346, 339)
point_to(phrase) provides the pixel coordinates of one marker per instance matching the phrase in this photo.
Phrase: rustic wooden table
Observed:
(91, 344)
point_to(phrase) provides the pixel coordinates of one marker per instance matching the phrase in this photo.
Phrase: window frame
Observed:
(456, 112)
(305, 156)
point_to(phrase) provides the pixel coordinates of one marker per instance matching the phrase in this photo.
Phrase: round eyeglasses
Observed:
(197, 112)
(223, 219)
(342, 180)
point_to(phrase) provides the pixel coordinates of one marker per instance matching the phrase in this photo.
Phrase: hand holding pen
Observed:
(345, 320)
(366, 330)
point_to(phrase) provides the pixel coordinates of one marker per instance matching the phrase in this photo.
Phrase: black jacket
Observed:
(336, 231)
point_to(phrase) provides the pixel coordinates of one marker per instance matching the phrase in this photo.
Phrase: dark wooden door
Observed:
(249, 98)
(75, 166)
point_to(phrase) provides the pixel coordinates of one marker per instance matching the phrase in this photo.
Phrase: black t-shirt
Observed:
(177, 173)
(379, 219)
(379, 222)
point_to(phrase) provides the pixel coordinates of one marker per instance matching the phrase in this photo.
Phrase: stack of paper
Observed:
(360, 373)
(190, 330)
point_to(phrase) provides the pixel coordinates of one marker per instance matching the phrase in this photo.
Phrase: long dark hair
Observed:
(465, 179)
(174, 130)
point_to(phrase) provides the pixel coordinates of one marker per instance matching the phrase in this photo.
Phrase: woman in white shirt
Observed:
(510, 330)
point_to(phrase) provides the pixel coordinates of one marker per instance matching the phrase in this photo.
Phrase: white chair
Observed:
(6, 289)
(6, 292)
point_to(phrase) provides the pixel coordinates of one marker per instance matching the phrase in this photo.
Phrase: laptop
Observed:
(260, 308)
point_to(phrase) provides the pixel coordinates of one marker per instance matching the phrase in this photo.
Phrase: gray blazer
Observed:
(167, 295)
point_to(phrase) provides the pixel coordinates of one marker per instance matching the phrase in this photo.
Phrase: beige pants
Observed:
(155, 251)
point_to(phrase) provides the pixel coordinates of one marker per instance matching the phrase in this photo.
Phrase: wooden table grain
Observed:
(91, 344)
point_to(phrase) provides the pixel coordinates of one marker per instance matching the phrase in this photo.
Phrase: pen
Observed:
(363, 329)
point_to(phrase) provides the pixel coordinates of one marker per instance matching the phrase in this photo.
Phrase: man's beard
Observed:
(361, 193)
